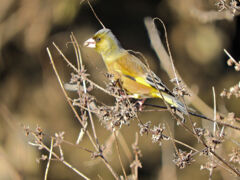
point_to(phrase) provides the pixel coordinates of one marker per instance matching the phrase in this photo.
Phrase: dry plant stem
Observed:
(93, 126)
(225, 124)
(80, 67)
(105, 161)
(72, 144)
(49, 160)
(76, 70)
(224, 167)
(58, 158)
(215, 111)
(77, 51)
(167, 105)
(109, 143)
(80, 135)
(67, 98)
(183, 144)
(229, 55)
(78, 104)
(203, 142)
(169, 51)
(125, 147)
(95, 14)
(78, 57)
(78, 117)
(119, 156)
(208, 119)
(172, 139)
(135, 170)
(61, 151)
(225, 163)
(64, 57)
(110, 168)
(174, 69)
(215, 154)
(164, 58)
(166, 64)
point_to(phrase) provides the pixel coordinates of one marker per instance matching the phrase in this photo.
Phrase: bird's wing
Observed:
(132, 67)
(157, 83)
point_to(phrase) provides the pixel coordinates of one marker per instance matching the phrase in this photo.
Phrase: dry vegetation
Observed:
(104, 134)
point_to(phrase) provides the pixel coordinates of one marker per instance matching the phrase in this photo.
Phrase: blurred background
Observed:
(30, 94)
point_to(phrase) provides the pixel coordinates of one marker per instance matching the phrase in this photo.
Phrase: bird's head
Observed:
(104, 42)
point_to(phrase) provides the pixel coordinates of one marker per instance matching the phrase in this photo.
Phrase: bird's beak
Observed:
(91, 43)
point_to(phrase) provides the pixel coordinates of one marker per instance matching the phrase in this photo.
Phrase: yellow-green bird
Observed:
(136, 78)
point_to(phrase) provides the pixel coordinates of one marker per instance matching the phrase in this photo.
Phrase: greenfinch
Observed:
(138, 81)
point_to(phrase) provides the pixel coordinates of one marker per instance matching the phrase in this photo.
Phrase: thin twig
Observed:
(173, 68)
(229, 55)
(49, 160)
(119, 156)
(166, 64)
(164, 59)
(95, 14)
(81, 134)
(183, 144)
(76, 70)
(93, 126)
(57, 157)
(169, 51)
(198, 115)
(215, 111)
(236, 171)
(75, 112)
(77, 146)
(135, 170)
(125, 147)
(67, 98)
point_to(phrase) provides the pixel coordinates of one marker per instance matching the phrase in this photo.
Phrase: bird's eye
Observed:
(98, 39)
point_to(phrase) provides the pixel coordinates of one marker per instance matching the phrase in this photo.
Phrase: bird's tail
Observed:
(173, 101)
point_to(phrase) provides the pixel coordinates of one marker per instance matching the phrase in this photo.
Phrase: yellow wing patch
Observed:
(142, 81)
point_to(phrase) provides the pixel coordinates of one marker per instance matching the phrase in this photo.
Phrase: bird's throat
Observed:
(112, 54)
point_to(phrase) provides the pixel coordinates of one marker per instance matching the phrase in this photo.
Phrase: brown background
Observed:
(30, 94)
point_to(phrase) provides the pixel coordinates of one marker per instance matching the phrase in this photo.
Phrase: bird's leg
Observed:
(178, 113)
(173, 108)
(139, 104)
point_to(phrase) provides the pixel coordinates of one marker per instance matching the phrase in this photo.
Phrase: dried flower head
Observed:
(59, 137)
(237, 67)
(115, 116)
(182, 158)
(235, 155)
(144, 128)
(42, 158)
(232, 6)
(200, 131)
(230, 62)
(157, 134)
(230, 118)
(210, 165)
(213, 140)
(39, 133)
(233, 91)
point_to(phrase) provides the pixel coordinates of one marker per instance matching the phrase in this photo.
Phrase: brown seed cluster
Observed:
(183, 158)
(235, 155)
(229, 5)
(233, 91)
